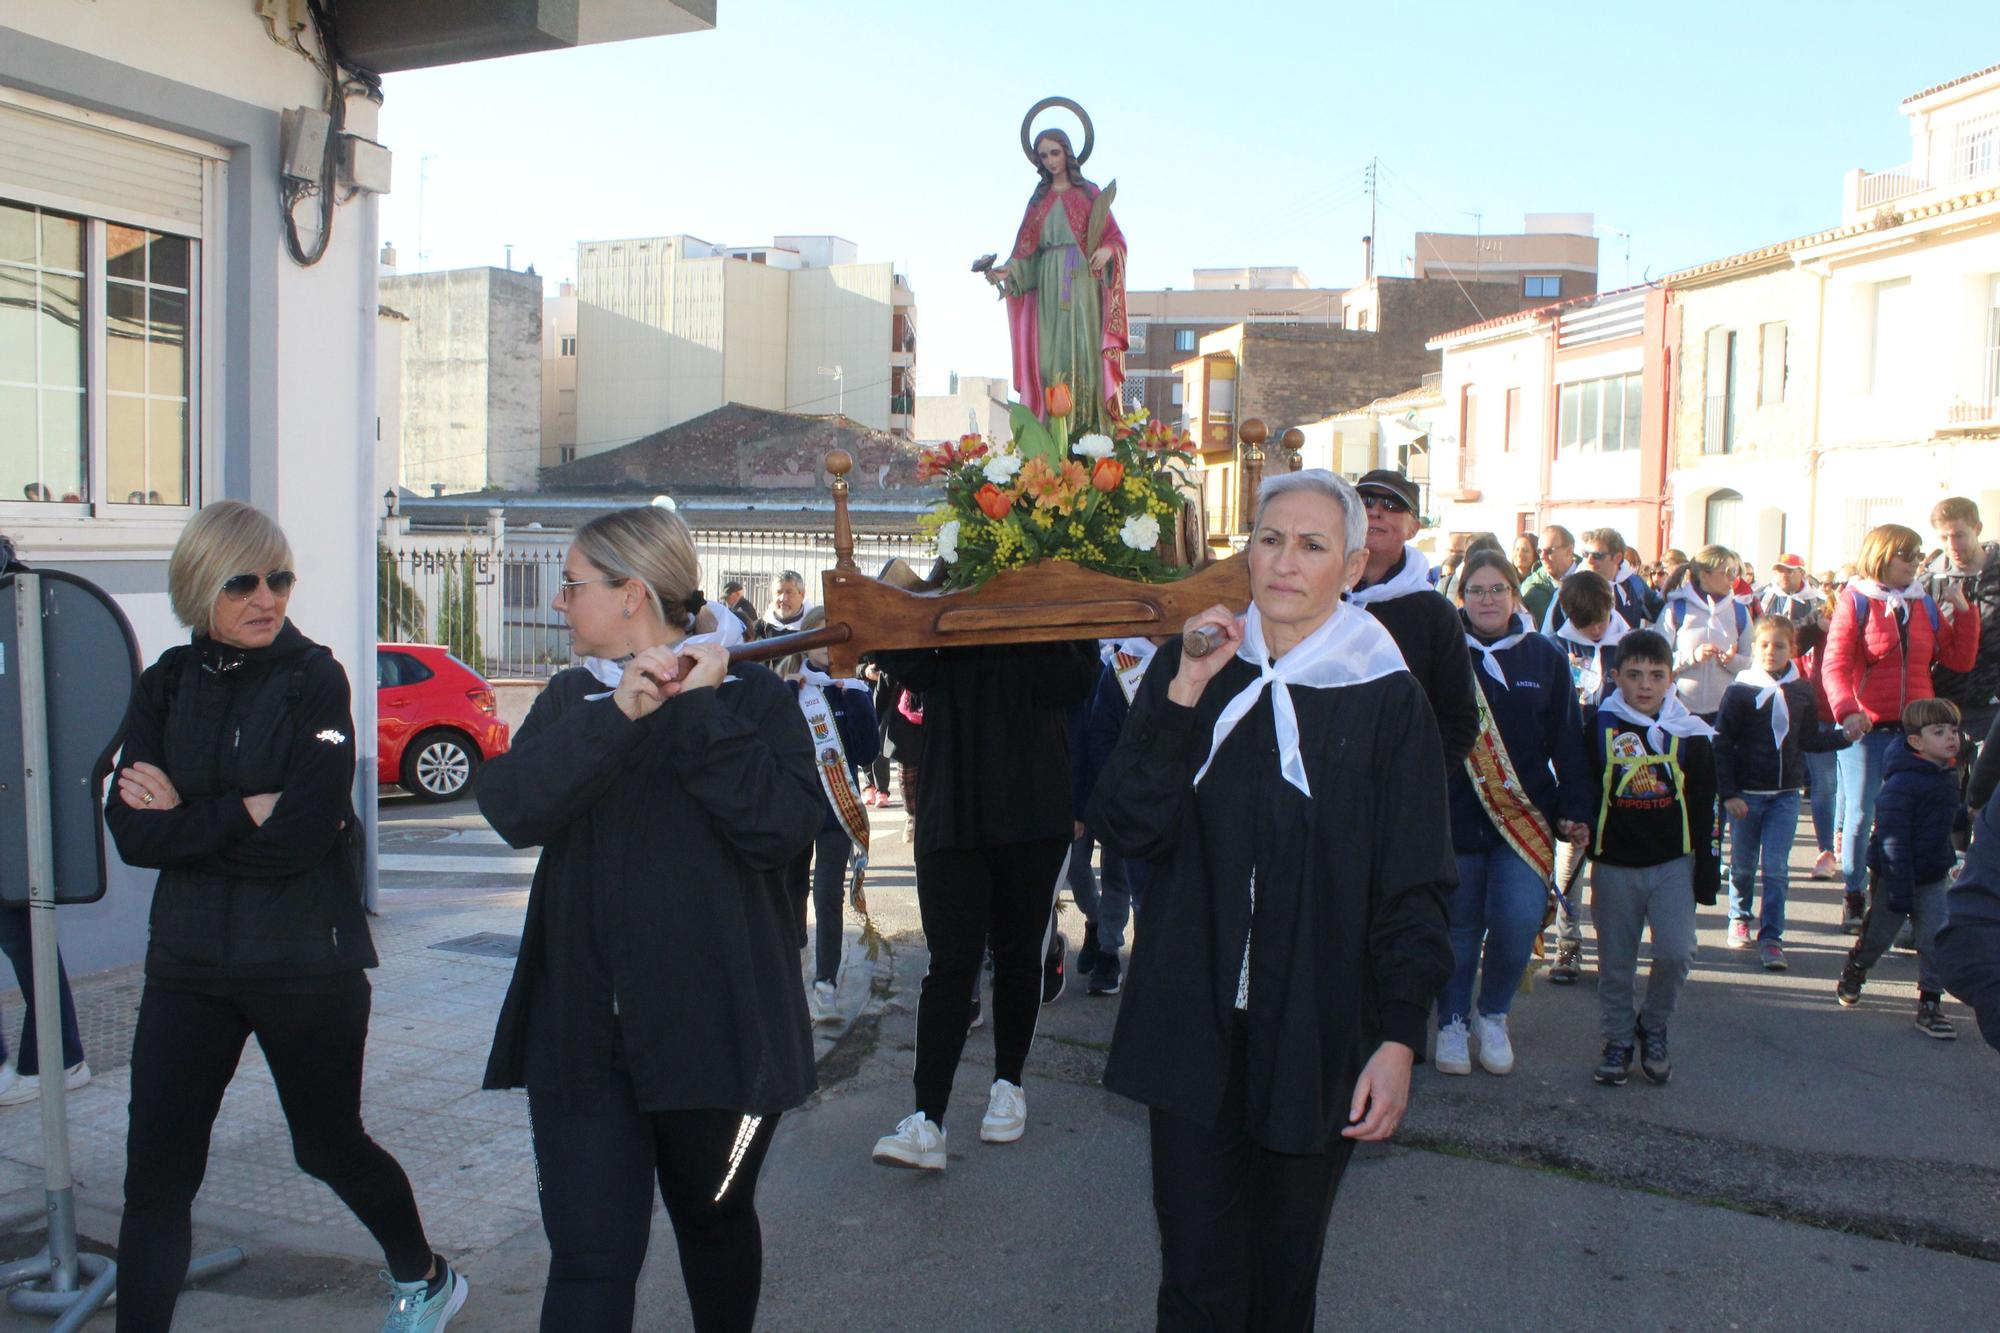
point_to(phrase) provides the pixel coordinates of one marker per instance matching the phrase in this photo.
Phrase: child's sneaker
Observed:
(1616, 1066)
(1932, 1022)
(1563, 972)
(1848, 989)
(1453, 1056)
(1772, 955)
(1653, 1056)
(1739, 934)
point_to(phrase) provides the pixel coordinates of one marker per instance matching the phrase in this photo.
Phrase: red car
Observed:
(435, 720)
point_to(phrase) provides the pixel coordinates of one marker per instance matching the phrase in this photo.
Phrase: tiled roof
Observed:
(1951, 83)
(1550, 311)
(738, 448)
(1751, 258)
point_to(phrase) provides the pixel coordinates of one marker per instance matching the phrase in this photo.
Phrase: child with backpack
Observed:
(1768, 722)
(1910, 858)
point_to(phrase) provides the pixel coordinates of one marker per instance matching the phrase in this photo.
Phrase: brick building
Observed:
(1167, 325)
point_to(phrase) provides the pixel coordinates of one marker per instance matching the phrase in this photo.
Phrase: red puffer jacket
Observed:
(1876, 666)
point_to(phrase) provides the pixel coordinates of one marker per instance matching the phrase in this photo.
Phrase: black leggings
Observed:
(968, 897)
(184, 1054)
(596, 1169)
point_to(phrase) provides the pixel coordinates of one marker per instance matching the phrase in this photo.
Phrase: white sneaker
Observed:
(825, 1002)
(16, 1088)
(1496, 1053)
(1451, 1056)
(917, 1143)
(1006, 1113)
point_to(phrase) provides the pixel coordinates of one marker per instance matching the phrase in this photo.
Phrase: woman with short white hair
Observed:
(234, 784)
(1289, 789)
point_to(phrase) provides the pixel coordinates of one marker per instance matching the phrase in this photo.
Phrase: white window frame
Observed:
(100, 526)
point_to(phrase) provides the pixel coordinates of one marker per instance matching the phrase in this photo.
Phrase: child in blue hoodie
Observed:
(1910, 857)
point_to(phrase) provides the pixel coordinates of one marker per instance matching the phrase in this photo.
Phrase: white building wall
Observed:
(1507, 473)
(558, 378)
(389, 401)
(755, 317)
(841, 316)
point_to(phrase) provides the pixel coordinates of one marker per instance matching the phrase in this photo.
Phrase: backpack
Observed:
(1676, 615)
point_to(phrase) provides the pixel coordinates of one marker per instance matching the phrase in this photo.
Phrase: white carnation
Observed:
(1141, 532)
(1092, 446)
(1000, 468)
(947, 541)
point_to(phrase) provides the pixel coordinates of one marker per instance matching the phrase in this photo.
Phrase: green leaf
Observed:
(1031, 437)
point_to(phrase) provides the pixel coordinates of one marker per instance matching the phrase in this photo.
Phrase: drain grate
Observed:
(486, 944)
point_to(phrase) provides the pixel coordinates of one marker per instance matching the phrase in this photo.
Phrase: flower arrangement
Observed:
(1106, 502)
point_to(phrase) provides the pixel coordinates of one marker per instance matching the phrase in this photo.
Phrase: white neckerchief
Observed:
(1771, 691)
(1899, 599)
(1349, 649)
(611, 671)
(728, 629)
(1674, 719)
(1592, 680)
(1487, 658)
(1415, 576)
(813, 676)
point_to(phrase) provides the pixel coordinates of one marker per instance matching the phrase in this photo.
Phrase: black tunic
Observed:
(658, 920)
(1350, 947)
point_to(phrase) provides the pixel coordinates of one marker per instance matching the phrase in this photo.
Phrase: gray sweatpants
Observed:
(1624, 901)
(1879, 928)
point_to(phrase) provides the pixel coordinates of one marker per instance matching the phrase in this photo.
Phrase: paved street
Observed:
(1778, 1182)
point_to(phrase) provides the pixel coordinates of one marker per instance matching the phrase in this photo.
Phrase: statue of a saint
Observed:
(1065, 289)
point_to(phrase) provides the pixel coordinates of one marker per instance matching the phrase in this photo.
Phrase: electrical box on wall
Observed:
(364, 164)
(302, 141)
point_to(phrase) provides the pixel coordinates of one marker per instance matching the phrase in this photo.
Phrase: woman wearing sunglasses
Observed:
(234, 785)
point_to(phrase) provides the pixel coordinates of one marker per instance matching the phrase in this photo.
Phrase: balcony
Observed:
(1976, 416)
(900, 293)
(1967, 159)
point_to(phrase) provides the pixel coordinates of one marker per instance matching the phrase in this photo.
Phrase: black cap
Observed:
(1385, 481)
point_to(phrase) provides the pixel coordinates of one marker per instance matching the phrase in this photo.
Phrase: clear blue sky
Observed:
(1237, 132)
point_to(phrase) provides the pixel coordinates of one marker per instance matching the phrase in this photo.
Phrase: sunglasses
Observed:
(241, 586)
(1595, 555)
(1387, 503)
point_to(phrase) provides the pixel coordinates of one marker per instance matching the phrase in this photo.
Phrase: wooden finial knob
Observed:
(1253, 432)
(1293, 439)
(839, 462)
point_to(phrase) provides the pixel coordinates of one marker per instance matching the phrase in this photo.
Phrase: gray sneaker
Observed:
(415, 1308)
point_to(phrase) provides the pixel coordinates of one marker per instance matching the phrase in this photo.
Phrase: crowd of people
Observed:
(1270, 807)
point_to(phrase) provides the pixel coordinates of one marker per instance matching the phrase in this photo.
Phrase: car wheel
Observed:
(439, 765)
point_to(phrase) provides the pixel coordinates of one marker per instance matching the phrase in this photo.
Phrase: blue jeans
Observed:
(1105, 899)
(1861, 767)
(1764, 834)
(16, 943)
(1823, 772)
(1500, 900)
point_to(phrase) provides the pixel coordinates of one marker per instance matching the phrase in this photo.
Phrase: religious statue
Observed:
(1065, 284)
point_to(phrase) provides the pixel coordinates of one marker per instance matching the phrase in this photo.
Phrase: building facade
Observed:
(559, 376)
(1553, 257)
(671, 327)
(1166, 325)
(976, 405)
(471, 379)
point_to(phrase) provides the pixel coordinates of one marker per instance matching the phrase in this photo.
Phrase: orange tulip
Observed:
(1107, 474)
(993, 501)
(1058, 399)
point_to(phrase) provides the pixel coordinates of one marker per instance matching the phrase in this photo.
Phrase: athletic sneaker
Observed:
(1932, 1022)
(1653, 1056)
(1006, 1113)
(1452, 1056)
(1739, 934)
(1848, 989)
(1826, 866)
(1107, 978)
(918, 1143)
(16, 1088)
(1087, 954)
(1496, 1052)
(1565, 969)
(426, 1305)
(825, 1002)
(1055, 975)
(1772, 955)
(1616, 1066)
(1852, 913)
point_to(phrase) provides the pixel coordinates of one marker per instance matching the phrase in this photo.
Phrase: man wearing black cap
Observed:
(1396, 590)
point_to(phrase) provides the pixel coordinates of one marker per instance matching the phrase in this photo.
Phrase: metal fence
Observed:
(492, 608)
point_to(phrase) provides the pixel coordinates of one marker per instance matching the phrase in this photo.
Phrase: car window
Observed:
(392, 669)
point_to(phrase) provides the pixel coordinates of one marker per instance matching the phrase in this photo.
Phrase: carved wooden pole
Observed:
(1293, 440)
(839, 463)
(1253, 434)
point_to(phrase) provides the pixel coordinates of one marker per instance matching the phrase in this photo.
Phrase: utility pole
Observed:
(1478, 239)
(1368, 179)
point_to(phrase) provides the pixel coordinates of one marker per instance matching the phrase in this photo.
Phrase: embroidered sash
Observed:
(1498, 787)
(831, 757)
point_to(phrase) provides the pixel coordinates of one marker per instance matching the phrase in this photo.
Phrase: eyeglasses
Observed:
(1494, 593)
(564, 586)
(1551, 550)
(240, 587)
(1596, 555)
(1386, 503)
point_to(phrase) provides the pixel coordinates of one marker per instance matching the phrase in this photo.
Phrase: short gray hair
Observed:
(1331, 485)
(225, 539)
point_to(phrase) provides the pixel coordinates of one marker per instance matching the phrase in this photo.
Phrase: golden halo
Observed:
(1028, 123)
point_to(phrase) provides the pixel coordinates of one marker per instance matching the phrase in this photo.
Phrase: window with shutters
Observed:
(1718, 421)
(1468, 434)
(1510, 433)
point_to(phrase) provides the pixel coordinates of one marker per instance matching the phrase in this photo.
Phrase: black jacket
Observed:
(1968, 947)
(1536, 712)
(1973, 691)
(1427, 629)
(1914, 813)
(996, 764)
(1350, 947)
(239, 902)
(658, 920)
(1747, 759)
